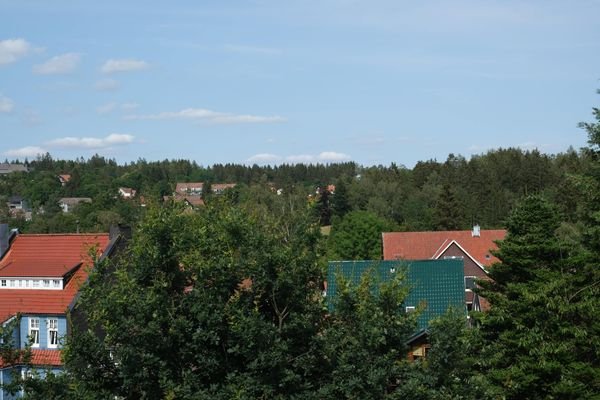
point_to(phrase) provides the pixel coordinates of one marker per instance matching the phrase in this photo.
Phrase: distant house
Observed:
(6, 168)
(18, 207)
(474, 247)
(40, 276)
(189, 188)
(435, 287)
(127, 193)
(64, 179)
(16, 202)
(68, 203)
(190, 201)
(219, 188)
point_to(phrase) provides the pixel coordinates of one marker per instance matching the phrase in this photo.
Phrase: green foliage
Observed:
(357, 237)
(364, 341)
(538, 337)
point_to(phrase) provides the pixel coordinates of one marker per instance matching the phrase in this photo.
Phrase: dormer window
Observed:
(3, 283)
(46, 283)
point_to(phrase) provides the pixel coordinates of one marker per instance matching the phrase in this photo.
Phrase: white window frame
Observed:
(34, 326)
(52, 324)
(410, 309)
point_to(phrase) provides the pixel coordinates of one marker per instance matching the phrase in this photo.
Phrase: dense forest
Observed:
(224, 301)
(433, 195)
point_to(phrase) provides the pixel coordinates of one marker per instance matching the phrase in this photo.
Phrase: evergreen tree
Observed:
(539, 335)
(447, 213)
(340, 202)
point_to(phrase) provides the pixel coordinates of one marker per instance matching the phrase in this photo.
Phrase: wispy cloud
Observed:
(114, 139)
(123, 65)
(129, 106)
(252, 49)
(264, 158)
(332, 156)
(63, 64)
(12, 50)
(215, 117)
(28, 151)
(323, 157)
(107, 85)
(6, 104)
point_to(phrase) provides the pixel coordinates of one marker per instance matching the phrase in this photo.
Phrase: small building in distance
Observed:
(127, 193)
(6, 168)
(64, 179)
(68, 203)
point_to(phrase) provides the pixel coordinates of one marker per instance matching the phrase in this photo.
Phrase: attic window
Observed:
(487, 256)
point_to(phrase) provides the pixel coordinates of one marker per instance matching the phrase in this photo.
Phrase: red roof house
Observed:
(40, 276)
(473, 247)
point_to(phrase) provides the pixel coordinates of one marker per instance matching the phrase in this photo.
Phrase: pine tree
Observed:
(540, 335)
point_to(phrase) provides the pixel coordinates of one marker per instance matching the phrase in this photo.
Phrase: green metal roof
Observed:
(435, 284)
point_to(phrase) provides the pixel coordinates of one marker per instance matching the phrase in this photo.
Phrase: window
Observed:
(410, 309)
(3, 283)
(52, 332)
(12, 283)
(36, 283)
(454, 257)
(56, 283)
(46, 282)
(34, 332)
(470, 282)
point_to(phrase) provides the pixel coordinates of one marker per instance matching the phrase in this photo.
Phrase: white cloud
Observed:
(114, 139)
(107, 85)
(209, 116)
(264, 158)
(28, 151)
(123, 65)
(63, 64)
(6, 104)
(13, 49)
(332, 156)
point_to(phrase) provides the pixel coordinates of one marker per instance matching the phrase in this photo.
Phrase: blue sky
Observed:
(295, 81)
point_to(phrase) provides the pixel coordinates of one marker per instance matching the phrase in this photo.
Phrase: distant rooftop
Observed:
(8, 168)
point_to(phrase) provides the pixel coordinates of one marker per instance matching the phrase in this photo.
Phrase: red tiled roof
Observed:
(42, 357)
(46, 357)
(428, 245)
(37, 254)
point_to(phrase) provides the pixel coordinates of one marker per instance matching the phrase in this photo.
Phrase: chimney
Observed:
(476, 232)
(4, 238)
